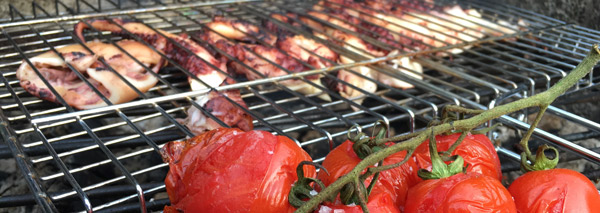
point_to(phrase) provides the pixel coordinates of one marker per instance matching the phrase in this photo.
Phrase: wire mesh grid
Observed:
(73, 159)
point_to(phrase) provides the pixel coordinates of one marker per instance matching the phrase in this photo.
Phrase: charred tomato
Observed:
(229, 170)
(470, 192)
(394, 182)
(555, 190)
(477, 151)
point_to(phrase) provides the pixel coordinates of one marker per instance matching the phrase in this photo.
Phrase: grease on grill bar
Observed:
(106, 158)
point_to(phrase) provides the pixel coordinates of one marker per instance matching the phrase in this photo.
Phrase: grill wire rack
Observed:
(106, 159)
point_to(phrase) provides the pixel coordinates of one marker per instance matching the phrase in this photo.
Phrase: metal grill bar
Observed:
(482, 72)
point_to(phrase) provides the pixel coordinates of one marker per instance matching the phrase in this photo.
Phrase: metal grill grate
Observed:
(107, 158)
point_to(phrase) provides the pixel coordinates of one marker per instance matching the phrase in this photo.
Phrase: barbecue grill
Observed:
(106, 159)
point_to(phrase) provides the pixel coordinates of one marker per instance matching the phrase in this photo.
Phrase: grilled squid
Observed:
(194, 58)
(198, 61)
(74, 90)
(420, 25)
(237, 30)
(257, 56)
(220, 107)
(360, 47)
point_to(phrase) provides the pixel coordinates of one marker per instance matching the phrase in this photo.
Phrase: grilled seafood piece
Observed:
(431, 26)
(257, 57)
(355, 45)
(220, 107)
(358, 46)
(205, 66)
(74, 90)
(237, 30)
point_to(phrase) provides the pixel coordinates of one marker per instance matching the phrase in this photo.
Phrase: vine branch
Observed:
(540, 100)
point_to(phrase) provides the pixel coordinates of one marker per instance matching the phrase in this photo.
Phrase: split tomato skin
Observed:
(395, 182)
(477, 151)
(229, 170)
(555, 190)
(471, 192)
(378, 203)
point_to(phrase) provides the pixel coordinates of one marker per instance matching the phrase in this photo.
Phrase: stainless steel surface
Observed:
(540, 52)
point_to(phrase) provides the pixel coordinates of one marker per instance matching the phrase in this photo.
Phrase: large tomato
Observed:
(471, 192)
(477, 151)
(395, 182)
(555, 190)
(228, 170)
(378, 203)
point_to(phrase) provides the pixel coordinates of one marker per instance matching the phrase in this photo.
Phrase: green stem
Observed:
(459, 109)
(457, 143)
(485, 130)
(373, 181)
(375, 170)
(525, 140)
(397, 138)
(541, 99)
(361, 194)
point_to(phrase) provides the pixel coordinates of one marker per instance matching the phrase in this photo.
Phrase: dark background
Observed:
(582, 12)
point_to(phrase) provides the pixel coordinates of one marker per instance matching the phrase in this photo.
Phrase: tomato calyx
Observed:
(541, 162)
(302, 188)
(439, 169)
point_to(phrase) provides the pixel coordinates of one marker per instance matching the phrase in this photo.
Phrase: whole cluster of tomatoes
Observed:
(228, 170)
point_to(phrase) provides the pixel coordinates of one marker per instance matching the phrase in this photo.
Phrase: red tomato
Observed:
(395, 182)
(555, 190)
(228, 170)
(381, 202)
(477, 151)
(471, 192)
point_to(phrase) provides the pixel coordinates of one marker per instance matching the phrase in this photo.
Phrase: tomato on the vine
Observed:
(378, 203)
(228, 170)
(555, 190)
(477, 151)
(471, 192)
(395, 182)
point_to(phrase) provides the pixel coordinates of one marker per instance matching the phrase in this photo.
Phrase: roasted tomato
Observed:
(555, 190)
(381, 202)
(471, 192)
(477, 151)
(395, 182)
(228, 170)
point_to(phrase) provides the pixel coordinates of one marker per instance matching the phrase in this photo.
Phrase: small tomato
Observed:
(229, 170)
(395, 182)
(471, 192)
(555, 190)
(477, 151)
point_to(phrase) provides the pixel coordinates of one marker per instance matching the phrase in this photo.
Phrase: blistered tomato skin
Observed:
(477, 151)
(471, 192)
(555, 190)
(228, 170)
(395, 182)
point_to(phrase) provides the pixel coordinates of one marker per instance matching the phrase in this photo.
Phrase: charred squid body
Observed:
(199, 66)
(74, 90)
(298, 50)
(220, 107)
(238, 30)
(202, 67)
